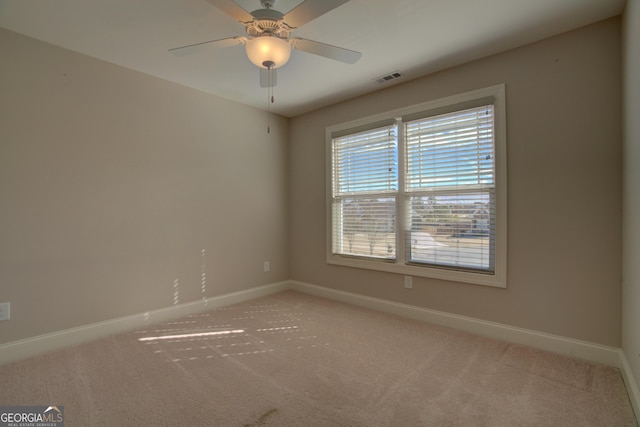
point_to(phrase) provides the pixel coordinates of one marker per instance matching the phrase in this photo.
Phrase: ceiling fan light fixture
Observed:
(268, 51)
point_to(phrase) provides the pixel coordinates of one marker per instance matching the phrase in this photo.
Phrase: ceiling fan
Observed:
(268, 43)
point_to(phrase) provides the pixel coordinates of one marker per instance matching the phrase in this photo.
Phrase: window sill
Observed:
(497, 280)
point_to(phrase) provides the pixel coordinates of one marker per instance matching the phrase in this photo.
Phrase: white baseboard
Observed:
(630, 383)
(585, 350)
(22, 349)
(557, 344)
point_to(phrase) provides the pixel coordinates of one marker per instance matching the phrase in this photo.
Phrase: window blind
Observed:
(366, 162)
(365, 185)
(450, 189)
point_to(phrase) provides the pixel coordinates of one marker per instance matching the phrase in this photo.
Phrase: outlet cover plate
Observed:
(5, 311)
(408, 282)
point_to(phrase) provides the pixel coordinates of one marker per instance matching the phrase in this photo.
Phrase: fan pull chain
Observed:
(269, 65)
(269, 106)
(269, 102)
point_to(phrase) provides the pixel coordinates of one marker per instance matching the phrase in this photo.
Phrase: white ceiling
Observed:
(414, 37)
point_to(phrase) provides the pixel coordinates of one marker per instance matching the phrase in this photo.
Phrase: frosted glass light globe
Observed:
(268, 51)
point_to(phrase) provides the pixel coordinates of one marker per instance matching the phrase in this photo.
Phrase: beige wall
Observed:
(564, 189)
(631, 188)
(112, 182)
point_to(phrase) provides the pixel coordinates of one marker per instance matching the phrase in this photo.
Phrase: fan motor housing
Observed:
(268, 21)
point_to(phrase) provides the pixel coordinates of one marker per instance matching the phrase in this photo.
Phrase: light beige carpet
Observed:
(292, 359)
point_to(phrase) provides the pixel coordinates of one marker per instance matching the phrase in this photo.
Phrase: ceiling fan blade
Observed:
(309, 10)
(268, 78)
(328, 51)
(211, 44)
(232, 9)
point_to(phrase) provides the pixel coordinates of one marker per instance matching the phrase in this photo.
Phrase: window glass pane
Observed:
(451, 150)
(450, 182)
(366, 161)
(365, 226)
(453, 230)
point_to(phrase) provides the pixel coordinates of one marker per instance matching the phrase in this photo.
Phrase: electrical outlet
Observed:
(267, 266)
(5, 311)
(408, 282)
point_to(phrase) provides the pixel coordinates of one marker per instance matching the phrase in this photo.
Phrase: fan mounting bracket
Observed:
(268, 4)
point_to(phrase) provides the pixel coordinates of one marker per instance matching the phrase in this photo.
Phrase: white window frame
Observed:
(400, 265)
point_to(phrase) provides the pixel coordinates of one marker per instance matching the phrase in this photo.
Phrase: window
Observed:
(422, 190)
(365, 189)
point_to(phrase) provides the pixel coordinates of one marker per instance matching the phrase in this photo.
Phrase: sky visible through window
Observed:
(367, 162)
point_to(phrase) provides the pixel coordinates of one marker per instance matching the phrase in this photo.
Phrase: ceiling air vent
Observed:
(388, 77)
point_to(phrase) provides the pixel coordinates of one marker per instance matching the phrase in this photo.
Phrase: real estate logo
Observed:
(31, 416)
